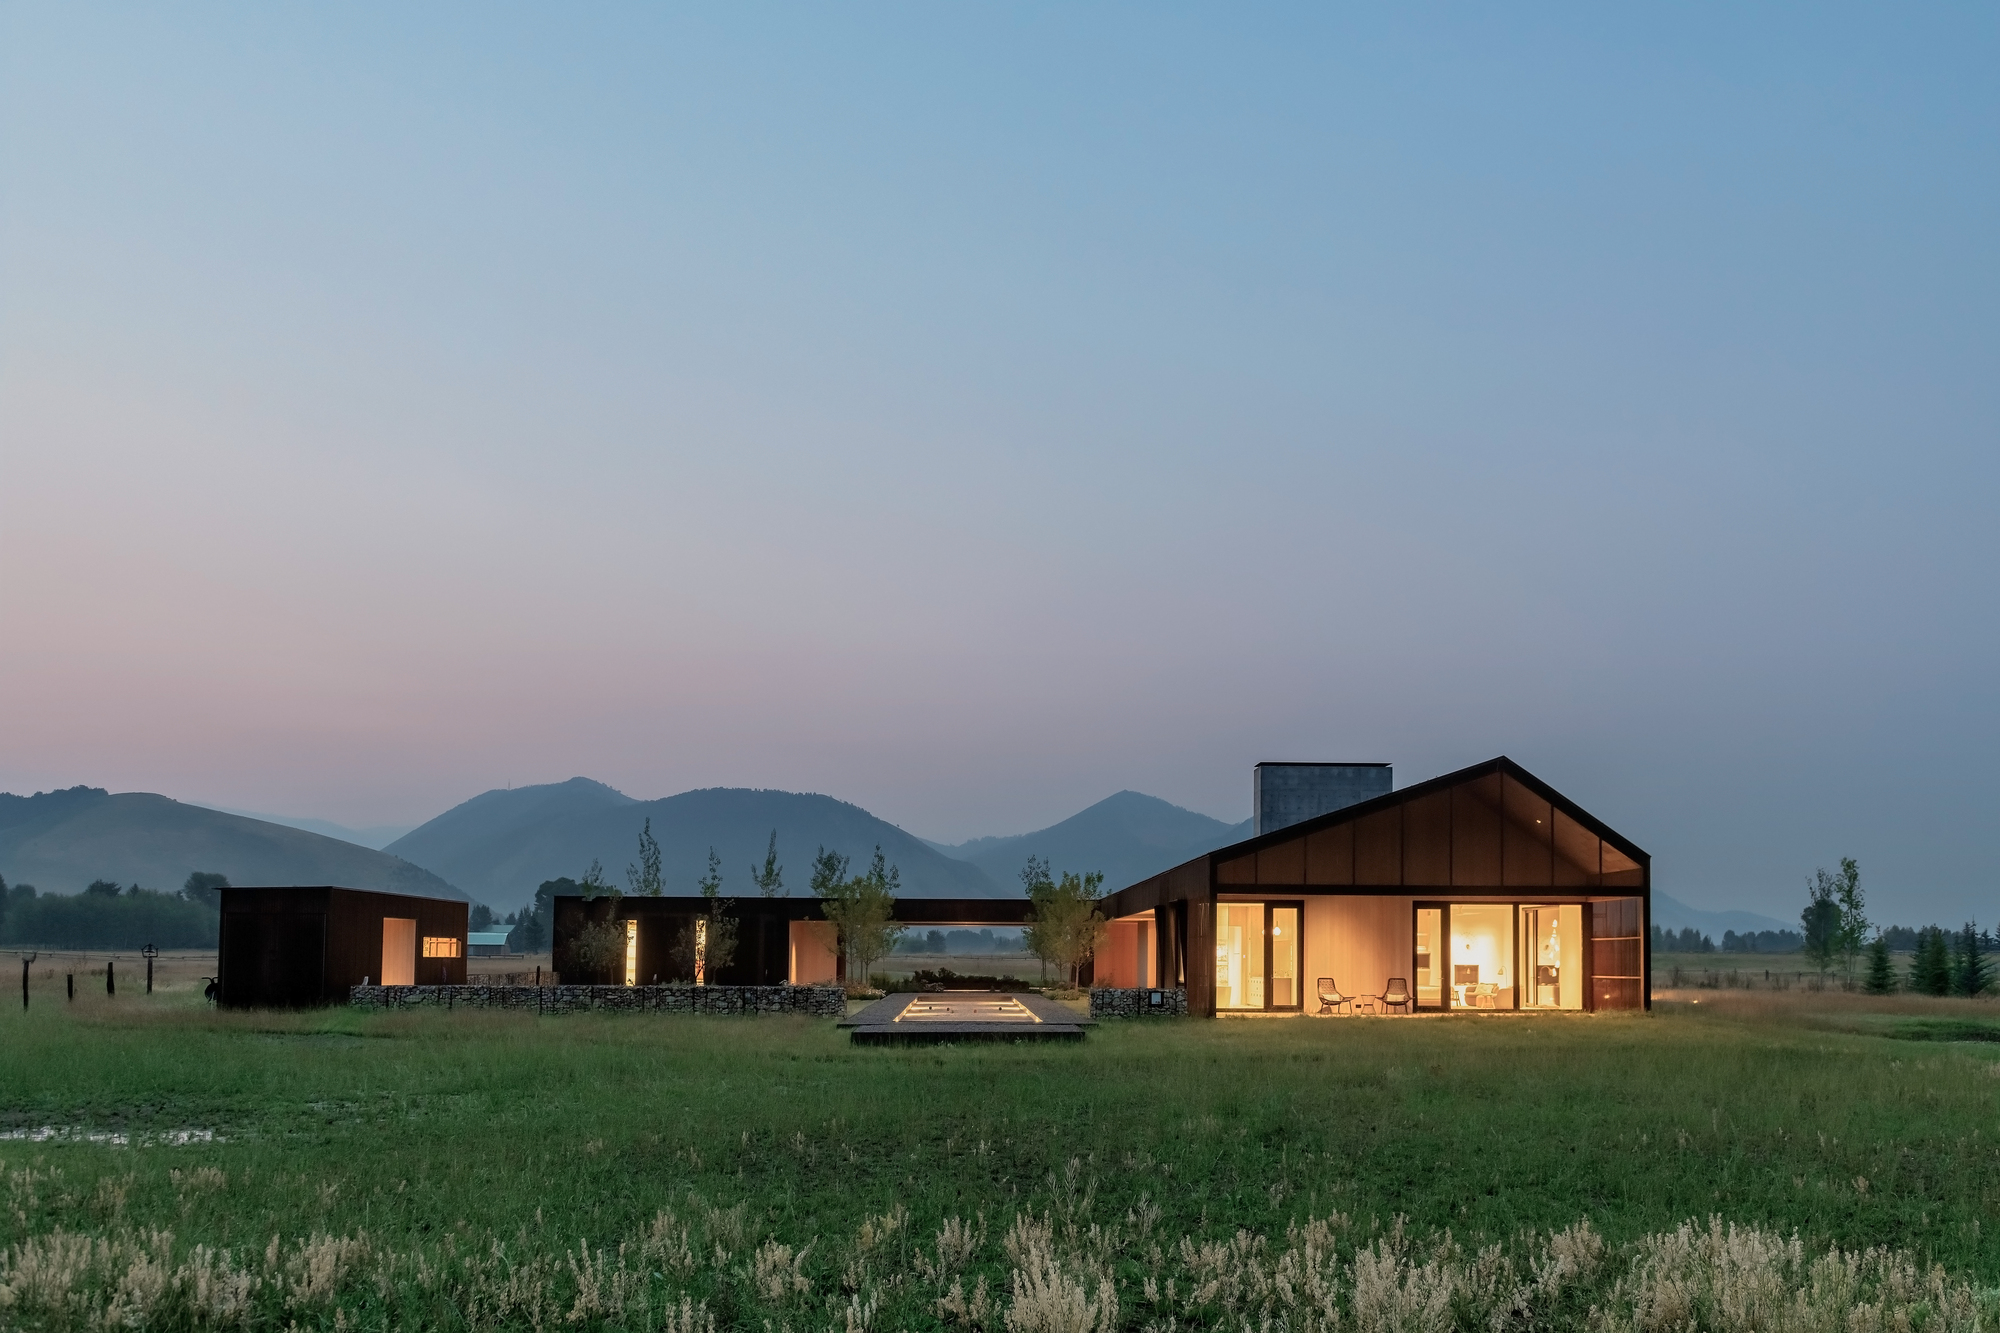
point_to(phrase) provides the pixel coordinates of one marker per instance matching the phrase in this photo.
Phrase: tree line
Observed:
(108, 915)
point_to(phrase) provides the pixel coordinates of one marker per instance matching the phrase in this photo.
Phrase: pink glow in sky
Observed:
(969, 414)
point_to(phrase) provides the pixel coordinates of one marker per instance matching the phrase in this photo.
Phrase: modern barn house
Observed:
(1482, 890)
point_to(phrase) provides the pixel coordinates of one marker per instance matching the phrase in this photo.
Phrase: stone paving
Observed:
(954, 1016)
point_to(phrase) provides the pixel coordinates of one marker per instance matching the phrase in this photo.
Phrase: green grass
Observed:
(420, 1126)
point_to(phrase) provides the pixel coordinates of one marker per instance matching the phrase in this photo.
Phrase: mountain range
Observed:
(1126, 837)
(60, 841)
(499, 845)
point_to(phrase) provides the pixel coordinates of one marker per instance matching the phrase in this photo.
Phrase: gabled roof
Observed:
(1402, 796)
(1490, 827)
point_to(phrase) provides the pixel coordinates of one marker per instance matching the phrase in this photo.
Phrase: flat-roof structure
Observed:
(1484, 890)
(285, 947)
(778, 940)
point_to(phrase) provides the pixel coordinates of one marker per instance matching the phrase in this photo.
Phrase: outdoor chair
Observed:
(1397, 996)
(1330, 998)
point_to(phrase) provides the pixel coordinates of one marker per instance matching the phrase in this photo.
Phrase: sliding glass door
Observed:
(1258, 956)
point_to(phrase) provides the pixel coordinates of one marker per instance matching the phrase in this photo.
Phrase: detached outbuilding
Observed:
(295, 946)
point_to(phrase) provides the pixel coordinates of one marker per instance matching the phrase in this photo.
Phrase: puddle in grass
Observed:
(112, 1138)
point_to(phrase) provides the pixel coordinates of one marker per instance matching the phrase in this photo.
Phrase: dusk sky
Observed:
(972, 411)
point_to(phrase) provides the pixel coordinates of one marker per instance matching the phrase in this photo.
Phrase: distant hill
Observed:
(376, 836)
(1672, 914)
(1128, 837)
(60, 841)
(500, 845)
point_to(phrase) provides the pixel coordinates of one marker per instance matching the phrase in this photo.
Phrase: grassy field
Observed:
(447, 1170)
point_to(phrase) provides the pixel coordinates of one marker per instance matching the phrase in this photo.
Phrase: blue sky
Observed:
(972, 412)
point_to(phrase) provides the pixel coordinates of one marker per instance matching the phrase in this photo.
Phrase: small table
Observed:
(1373, 1003)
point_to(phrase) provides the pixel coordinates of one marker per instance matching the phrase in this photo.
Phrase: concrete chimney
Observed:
(1286, 794)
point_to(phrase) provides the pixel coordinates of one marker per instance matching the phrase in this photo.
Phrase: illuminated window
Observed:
(441, 946)
(701, 951)
(631, 951)
(1482, 956)
(1552, 956)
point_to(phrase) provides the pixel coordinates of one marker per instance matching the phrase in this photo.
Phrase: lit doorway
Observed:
(1552, 956)
(1430, 949)
(1258, 956)
(399, 951)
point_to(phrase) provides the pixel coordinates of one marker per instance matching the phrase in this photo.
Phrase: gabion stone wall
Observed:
(1107, 1002)
(823, 1001)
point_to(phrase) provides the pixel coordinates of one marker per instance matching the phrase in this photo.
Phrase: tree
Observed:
(770, 877)
(593, 884)
(862, 909)
(1066, 928)
(645, 877)
(1821, 920)
(205, 887)
(829, 870)
(707, 944)
(1970, 975)
(1930, 965)
(598, 951)
(104, 888)
(480, 918)
(533, 924)
(1881, 972)
(1852, 933)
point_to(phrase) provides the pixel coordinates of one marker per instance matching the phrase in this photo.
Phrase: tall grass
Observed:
(499, 1170)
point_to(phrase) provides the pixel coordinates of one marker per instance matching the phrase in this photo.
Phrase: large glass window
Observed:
(1430, 944)
(1239, 955)
(1285, 993)
(1552, 956)
(1259, 955)
(1482, 956)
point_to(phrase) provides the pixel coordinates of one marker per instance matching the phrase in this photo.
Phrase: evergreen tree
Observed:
(1881, 973)
(1930, 966)
(770, 877)
(1972, 975)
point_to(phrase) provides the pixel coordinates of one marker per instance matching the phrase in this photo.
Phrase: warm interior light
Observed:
(701, 951)
(631, 951)
(441, 946)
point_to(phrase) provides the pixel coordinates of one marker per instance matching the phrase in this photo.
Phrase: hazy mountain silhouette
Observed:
(1128, 837)
(501, 844)
(375, 836)
(1671, 913)
(60, 841)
